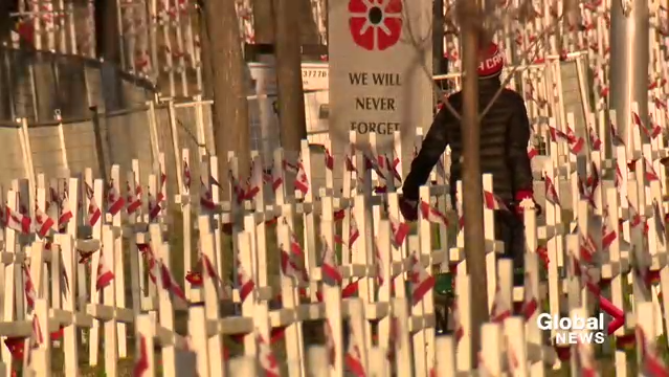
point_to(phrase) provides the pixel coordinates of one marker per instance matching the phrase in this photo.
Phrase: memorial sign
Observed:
(380, 68)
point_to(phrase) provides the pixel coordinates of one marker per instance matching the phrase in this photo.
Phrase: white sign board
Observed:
(263, 117)
(380, 68)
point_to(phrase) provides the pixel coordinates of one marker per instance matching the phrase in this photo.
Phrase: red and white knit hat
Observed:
(492, 61)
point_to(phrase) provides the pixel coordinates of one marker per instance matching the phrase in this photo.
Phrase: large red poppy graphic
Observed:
(375, 24)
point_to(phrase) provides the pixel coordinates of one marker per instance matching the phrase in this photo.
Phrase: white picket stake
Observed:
(165, 299)
(489, 234)
(40, 361)
(70, 330)
(463, 299)
(333, 315)
(212, 342)
(244, 262)
(183, 198)
(197, 332)
(516, 347)
(212, 173)
(617, 266)
(145, 330)
(363, 252)
(582, 360)
(256, 180)
(111, 352)
(309, 221)
(490, 358)
(12, 275)
(398, 253)
(315, 357)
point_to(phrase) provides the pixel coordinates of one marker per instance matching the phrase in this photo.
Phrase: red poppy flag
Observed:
(114, 201)
(354, 233)
(194, 278)
(400, 231)
(142, 362)
(379, 263)
(105, 275)
(187, 178)
(493, 202)
(268, 361)
(238, 190)
(500, 311)
(246, 283)
(28, 288)
(154, 208)
(329, 342)
(295, 246)
(94, 212)
(588, 248)
(353, 357)
(608, 234)
(169, 282)
(329, 160)
(587, 361)
(44, 223)
(551, 192)
(329, 268)
(635, 218)
(432, 214)
(652, 363)
(134, 198)
(17, 221)
(291, 266)
(530, 304)
(650, 133)
(37, 331)
(206, 197)
(394, 164)
(595, 141)
(162, 187)
(65, 214)
(421, 281)
(301, 180)
(651, 175)
(618, 179)
(532, 152)
(615, 137)
(372, 163)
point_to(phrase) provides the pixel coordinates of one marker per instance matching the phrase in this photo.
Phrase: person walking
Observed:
(505, 134)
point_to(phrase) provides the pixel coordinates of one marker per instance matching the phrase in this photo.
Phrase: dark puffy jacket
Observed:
(505, 133)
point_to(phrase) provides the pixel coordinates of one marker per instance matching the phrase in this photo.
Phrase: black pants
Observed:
(509, 228)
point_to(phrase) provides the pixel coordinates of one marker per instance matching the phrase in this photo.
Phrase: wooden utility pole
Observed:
(472, 197)
(231, 115)
(289, 76)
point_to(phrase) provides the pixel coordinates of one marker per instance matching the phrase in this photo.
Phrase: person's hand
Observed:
(409, 209)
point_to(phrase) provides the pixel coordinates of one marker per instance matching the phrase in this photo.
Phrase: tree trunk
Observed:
(107, 33)
(205, 58)
(230, 120)
(289, 76)
(263, 21)
(308, 27)
(471, 177)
